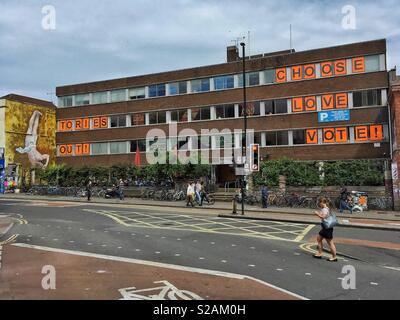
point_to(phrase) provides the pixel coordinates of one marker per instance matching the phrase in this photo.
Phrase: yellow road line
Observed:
(308, 247)
(9, 240)
(119, 218)
(304, 233)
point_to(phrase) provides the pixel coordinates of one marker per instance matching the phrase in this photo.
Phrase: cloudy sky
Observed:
(102, 39)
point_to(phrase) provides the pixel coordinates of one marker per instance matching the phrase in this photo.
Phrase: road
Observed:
(276, 255)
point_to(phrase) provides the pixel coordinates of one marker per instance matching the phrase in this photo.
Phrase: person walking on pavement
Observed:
(89, 190)
(325, 233)
(344, 201)
(198, 192)
(190, 194)
(121, 189)
(264, 196)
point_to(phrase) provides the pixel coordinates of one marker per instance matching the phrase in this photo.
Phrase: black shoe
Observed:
(317, 257)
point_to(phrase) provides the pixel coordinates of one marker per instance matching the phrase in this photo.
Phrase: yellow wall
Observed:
(17, 118)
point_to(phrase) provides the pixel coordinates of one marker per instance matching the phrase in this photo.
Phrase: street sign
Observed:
(334, 115)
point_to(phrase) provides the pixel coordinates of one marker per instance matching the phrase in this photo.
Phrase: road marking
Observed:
(160, 265)
(119, 248)
(308, 274)
(89, 244)
(279, 270)
(233, 245)
(201, 258)
(308, 247)
(138, 250)
(177, 255)
(392, 268)
(1, 253)
(275, 251)
(224, 261)
(185, 223)
(252, 248)
(373, 283)
(304, 233)
(157, 252)
(251, 265)
(9, 240)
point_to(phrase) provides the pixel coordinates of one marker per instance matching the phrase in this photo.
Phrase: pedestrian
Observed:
(89, 190)
(344, 203)
(264, 196)
(121, 189)
(326, 233)
(190, 194)
(203, 193)
(198, 192)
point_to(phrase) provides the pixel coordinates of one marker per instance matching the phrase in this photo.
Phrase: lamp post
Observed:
(244, 108)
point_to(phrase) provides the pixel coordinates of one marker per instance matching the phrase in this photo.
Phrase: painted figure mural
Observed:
(36, 159)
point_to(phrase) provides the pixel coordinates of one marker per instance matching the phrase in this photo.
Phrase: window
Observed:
(118, 147)
(99, 97)
(157, 117)
(137, 93)
(200, 85)
(65, 101)
(253, 109)
(282, 138)
(205, 142)
(118, 121)
(118, 95)
(225, 111)
(367, 98)
(201, 114)
(252, 79)
(99, 148)
(138, 143)
(179, 115)
(157, 90)
(82, 100)
(277, 138)
(275, 106)
(299, 137)
(226, 141)
(372, 63)
(225, 82)
(269, 76)
(177, 88)
(280, 106)
(138, 119)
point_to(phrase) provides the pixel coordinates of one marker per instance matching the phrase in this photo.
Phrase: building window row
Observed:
(356, 99)
(325, 69)
(375, 133)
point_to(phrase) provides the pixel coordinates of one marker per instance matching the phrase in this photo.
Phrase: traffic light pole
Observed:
(244, 145)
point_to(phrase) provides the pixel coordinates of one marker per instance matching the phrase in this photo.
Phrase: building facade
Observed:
(27, 137)
(394, 103)
(322, 104)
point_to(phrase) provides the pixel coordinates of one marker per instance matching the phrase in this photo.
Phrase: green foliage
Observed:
(356, 173)
(65, 176)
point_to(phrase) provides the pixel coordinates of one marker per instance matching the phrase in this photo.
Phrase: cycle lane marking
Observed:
(195, 270)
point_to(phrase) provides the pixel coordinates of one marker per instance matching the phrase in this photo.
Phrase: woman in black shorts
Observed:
(326, 234)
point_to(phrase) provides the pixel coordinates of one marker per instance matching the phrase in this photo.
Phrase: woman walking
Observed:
(326, 232)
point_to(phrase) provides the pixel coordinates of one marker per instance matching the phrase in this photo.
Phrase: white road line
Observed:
(201, 258)
(252, 248)
(178, 239)
(138, 250)
(119, 248)
(233, 245)
(251, 265)
(223, 261)
(157, 252)
(90, 244)
(373, 283)
(177, 255)
(160, 265)
(279, 270)
(308, 274)
(71, 241)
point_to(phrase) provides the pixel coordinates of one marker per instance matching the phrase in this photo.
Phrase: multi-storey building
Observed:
(322, 104)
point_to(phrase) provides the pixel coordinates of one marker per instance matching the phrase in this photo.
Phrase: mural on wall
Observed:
(30, 135)
(35, 157)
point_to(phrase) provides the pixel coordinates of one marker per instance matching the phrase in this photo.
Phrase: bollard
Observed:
(234, 206)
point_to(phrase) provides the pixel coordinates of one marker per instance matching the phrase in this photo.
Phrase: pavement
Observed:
(120, 251)
(380, 220)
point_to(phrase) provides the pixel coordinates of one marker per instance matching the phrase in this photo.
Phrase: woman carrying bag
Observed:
(328, 221)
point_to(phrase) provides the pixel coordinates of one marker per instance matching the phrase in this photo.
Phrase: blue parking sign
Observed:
(334, 115)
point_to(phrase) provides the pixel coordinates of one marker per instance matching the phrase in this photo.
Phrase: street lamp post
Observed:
(244, 108)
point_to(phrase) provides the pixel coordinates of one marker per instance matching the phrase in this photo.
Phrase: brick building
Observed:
(394, 103)
(322, 104)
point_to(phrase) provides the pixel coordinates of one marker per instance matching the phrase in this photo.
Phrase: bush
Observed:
(350, 173)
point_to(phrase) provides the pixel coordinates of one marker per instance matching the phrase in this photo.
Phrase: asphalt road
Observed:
(275, 252)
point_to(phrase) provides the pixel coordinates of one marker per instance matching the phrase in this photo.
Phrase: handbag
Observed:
(330, 221)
